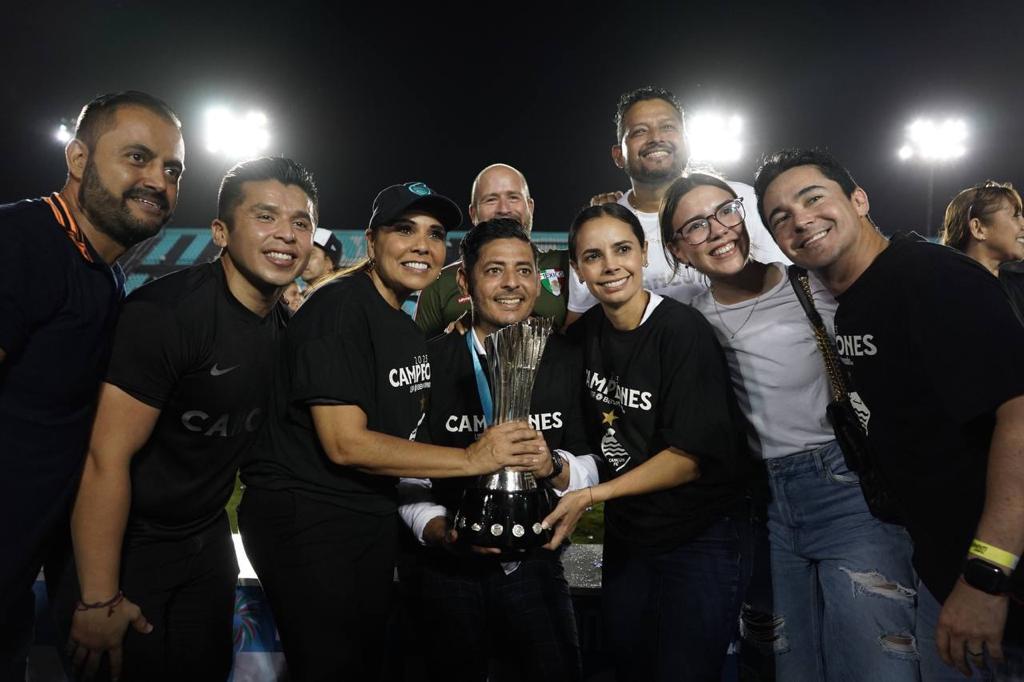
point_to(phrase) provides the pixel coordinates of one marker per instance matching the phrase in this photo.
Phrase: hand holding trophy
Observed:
(504, 509)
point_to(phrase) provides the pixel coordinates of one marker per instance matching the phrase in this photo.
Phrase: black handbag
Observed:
(850, 435)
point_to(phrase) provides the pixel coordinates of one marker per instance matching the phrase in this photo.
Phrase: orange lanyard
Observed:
(67, 222)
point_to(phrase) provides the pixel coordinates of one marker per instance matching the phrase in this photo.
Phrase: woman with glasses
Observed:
(985, 222)
(840, 602)
(678, 541)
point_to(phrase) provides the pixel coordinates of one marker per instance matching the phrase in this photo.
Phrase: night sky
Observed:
(385, 93)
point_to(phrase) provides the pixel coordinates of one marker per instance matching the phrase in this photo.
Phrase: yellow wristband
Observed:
(994, 555)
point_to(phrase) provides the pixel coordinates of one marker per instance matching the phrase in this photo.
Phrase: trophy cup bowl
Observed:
(504, 509)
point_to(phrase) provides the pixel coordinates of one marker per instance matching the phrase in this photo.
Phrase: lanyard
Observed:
(68, 224)
(482, 387)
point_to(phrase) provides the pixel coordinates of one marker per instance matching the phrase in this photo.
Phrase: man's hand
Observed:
(971, 623)
(101, 630)
(606, 198)
(512, 444)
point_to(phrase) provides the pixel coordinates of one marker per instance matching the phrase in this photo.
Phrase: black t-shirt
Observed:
(935, 349)
(345, 346)
(455, 417)
(57, 315)
(1013, 285)
(664, 384)
(187, 346)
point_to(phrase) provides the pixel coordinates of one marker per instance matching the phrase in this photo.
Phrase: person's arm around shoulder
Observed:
(122, 426)
(971, 619)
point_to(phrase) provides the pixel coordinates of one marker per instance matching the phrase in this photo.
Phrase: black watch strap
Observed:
(557, 464)
(986, 577)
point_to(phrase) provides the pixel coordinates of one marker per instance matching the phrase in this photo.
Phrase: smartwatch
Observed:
(986, 577)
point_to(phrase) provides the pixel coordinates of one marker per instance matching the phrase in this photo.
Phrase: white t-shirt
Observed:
(686, 283)
(777, 371)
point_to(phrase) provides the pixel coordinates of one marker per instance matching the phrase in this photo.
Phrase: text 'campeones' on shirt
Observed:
(663, 385)
(345, 346)
(935, 349)
(455, 417)
(186, 346)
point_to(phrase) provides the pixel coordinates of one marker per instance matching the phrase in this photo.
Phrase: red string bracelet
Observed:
(110, 604)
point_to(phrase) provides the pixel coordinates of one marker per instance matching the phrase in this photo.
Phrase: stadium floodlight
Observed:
(234, 135)
(715, 137)
(932, 141)
(62, 134)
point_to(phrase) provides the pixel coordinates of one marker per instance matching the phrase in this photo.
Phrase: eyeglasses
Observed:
(696, 232)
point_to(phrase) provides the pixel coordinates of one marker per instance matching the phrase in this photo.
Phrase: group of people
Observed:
(711, 332)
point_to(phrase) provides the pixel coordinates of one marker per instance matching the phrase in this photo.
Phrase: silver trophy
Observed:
(504, 509)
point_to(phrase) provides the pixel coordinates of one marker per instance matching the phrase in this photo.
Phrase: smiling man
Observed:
(184, 395)
(934, 350)
(56, 324)
(499, 191)
(650, 148)
(467, 596)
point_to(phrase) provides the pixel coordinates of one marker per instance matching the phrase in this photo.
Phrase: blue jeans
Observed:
(838, 601)
(932, 667)
(672, 615)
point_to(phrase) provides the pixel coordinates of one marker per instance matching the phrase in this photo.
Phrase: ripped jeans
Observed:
(838, 601)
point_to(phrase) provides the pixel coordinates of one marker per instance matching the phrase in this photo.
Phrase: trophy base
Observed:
(503, 519)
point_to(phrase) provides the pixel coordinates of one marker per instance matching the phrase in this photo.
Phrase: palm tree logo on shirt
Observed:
(611, 448)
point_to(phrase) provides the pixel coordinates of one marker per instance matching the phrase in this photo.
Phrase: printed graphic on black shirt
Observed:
(185, 345)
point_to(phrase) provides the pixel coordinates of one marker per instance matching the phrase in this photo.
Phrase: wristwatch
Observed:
(986, 577)
(557, 463)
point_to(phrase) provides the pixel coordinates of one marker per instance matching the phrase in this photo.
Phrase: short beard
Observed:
(110, 215)
(637, 173)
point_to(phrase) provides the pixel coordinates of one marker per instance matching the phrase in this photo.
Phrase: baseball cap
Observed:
(395, 200)
(326, 240)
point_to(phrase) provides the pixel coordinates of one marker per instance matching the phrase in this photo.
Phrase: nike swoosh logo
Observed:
(216, 372)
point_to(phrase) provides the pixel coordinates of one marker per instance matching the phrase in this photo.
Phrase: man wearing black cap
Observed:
(324, 259)
(56, 323)
(319, 515)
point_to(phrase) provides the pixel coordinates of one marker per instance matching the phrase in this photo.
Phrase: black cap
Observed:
(395, 200)
(331, 245)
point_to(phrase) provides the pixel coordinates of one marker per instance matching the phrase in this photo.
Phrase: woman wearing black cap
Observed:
(319, 513)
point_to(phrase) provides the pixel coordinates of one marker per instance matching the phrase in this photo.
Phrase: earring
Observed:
(371, 263)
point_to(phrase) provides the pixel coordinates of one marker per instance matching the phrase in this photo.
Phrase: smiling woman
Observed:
(985, 222)
(778, 374)
(319, 515)
(662, 416)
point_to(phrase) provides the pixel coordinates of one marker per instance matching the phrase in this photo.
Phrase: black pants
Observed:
(34, 518)
(327, 573)
(469, 610)
(186, 590)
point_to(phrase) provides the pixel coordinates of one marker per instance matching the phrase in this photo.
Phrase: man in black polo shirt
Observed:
(520, 602)
(935, 352)
(56, 323)
(187, 388)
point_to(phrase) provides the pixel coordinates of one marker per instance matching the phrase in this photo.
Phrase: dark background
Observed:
(378, 93)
